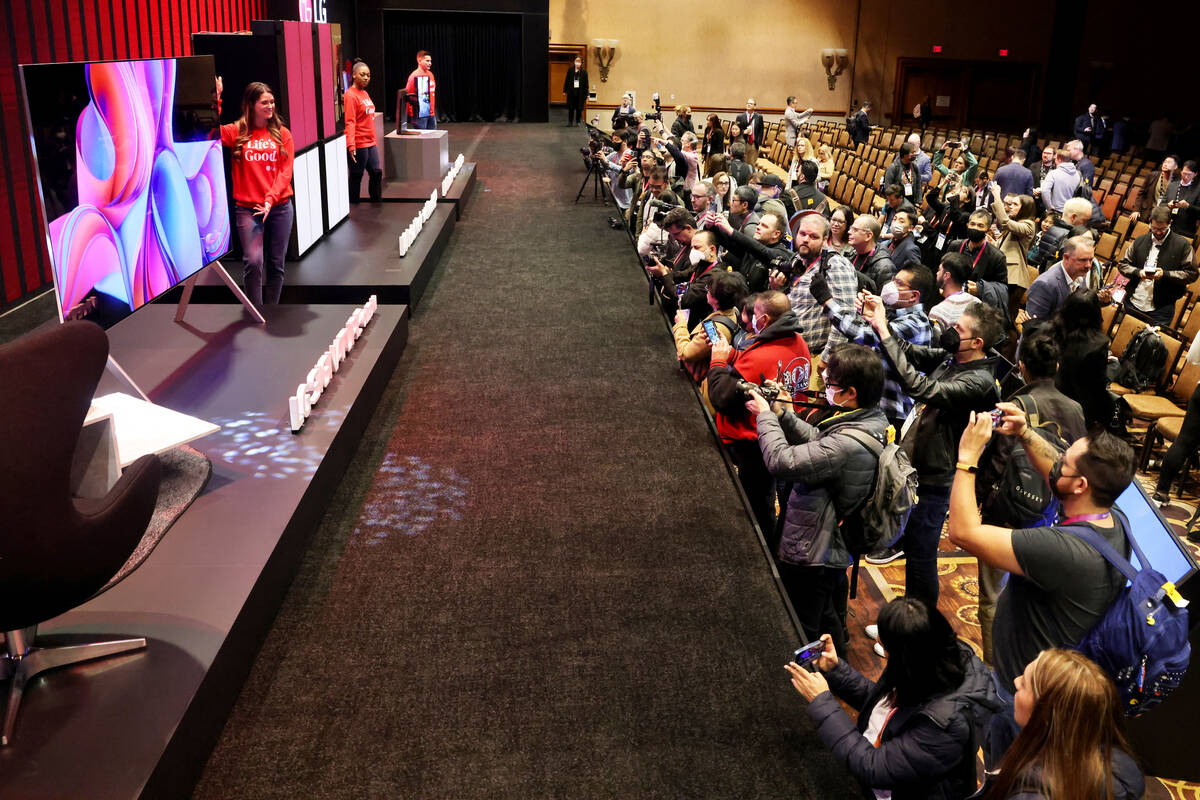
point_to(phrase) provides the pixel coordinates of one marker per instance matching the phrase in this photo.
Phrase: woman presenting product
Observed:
(262, 189)
(361, 144)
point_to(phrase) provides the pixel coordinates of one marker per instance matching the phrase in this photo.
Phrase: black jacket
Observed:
(752, 258)
(1183, 220)
(576, 96)
(876, 265)
(859, 127)
(926, 751)
(903, 251)
(945, 397)
(1175, 259)
(743, 122)
(679, 127)
(809, 198)
(1082, 359)
(897, 172)
(715, 143)
(991, 266)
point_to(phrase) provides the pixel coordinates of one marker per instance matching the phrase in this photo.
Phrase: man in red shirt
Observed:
(422, 90)
(361, 145)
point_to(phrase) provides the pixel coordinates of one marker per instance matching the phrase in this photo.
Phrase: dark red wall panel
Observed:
(78, 30)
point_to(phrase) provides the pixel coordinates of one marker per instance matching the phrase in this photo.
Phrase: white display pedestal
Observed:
(416, 155)
(118, 430)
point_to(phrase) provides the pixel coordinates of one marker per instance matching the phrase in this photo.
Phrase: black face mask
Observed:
(975, 236)
(950, 340)
(1055, 476)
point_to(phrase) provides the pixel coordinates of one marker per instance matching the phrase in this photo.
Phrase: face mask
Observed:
(889, 294)
(975, 236)
(950, 340)
(1055, 476)
(830, 392)
(696, 257)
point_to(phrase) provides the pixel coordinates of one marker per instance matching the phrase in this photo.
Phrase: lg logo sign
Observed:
(312, 11)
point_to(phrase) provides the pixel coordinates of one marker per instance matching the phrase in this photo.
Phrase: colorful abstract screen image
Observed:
(132, 178)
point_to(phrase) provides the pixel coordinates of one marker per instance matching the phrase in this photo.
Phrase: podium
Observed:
(416, 155)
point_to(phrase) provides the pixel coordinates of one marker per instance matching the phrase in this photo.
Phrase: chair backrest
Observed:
(1139, 229)
(1174, 347)
(1192, 325)
(1121, 226)
(1108, 315)
(1129, 326)
(1185, 384)
(1106, 246)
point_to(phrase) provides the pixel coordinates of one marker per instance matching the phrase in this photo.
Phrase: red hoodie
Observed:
(778, 353)
(360, 119)
(262, 173)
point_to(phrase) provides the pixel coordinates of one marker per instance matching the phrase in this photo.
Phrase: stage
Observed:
(460, 190)
(143, 724)
(359, 258)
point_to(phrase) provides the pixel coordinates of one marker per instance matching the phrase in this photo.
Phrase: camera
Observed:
(769, 393)
(657, 112)
(659, 209)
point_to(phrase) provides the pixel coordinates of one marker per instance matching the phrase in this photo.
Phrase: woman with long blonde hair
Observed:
(1071, 745)
(263, 151)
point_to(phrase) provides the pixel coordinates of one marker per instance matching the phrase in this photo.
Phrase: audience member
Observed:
(739, 169)
(839, 275)
(1051, 289)
(949, 220)
(923, 161)
(805, 194)
(904, 173)
(1083, 356)
(1075, 214)
(858, 124)
(1090, 128)
(961, 170)
(724, 291)
(722, 192)
(1071, 745)
(792, 120)
(902, 247)
(915, 734)
(741, 209)
(774, 350)
(1018, 226)
(893, 201)
(827, 473)
(802, 151)
(840, 220)
(683, 122)
(902, 297)
(1183, 198)
(1083, 164)
(1060, 183)
(870, 258)
(753, 256)
(752, 124)
(1184, 447)
(1014, 177)
(987, 262)
(1159, 266)
(953, 273)
(713, 143)
(1044, 167)
(948, 383)
(1037, 363)
(825, 166)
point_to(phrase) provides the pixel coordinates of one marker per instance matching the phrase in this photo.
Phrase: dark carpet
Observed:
(536, 578)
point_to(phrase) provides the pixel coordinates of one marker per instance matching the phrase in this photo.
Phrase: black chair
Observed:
(56, 550)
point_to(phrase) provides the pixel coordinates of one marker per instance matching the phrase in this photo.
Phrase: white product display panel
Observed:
(306, 181)
(337, 181)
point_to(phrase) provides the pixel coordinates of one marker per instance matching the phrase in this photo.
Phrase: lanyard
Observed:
(982, 247)
(1085, 518)
(865, 260)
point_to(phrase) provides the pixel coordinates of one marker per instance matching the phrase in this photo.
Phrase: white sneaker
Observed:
(879, 651)
(872, 632)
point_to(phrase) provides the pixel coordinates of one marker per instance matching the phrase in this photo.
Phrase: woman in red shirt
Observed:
(263, 150)
(361, 144)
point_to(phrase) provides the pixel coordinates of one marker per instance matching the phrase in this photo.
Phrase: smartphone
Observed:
(710, 330)
(809, 653)
(997, 418)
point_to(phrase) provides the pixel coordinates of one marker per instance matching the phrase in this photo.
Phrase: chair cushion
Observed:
(1117, 388)
(1169, 427)
(1152, 406)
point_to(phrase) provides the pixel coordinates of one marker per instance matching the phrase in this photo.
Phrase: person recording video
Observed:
(361, 144)
(263, 151)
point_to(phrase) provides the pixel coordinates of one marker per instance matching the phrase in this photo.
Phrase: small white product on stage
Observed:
(372, 306)
(433, 196)
(294, 413)
(458, 162)
(325, 368)
(334, 357)
(402, 244)
(312, 379)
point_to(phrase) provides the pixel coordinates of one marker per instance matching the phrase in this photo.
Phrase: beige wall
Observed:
(689, 50)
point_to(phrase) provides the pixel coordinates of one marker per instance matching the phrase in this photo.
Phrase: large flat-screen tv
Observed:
(131, 178)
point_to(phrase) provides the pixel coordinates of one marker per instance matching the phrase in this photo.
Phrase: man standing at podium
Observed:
(421, 90)
(575, 87)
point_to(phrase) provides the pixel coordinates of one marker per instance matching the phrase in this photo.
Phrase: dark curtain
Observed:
(476, 60)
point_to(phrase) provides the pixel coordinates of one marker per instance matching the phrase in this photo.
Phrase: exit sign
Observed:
(1004, 52)
(937, 48)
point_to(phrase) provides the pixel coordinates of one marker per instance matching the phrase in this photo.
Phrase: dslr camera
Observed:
(659, 209)
(657, 112)
(769, 392)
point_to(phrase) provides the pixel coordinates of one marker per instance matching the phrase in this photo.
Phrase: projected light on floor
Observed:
(261, 445)
(409, 495)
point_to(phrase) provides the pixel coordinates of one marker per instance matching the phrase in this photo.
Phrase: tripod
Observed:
(595, 174)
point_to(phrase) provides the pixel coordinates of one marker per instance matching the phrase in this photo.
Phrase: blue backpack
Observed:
(1142, 641)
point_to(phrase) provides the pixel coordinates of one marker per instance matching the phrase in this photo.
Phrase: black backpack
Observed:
(1015, 493)
(1049, 249)
(1142, 363)
(740, 171)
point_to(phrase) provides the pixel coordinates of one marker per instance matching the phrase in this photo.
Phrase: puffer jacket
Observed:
(1128, 782)
(926, 752)
(832, 475)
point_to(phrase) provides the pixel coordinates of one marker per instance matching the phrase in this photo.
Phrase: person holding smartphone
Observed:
(263, 151)
(914, 736)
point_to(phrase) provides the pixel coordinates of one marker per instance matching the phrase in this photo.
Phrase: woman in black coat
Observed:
(915, 734)
(1083, 357)
(713, 142)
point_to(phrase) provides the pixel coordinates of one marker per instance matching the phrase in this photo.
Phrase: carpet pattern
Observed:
(536, 578)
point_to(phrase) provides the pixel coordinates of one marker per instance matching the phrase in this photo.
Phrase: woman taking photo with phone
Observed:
(914, 736)
(262, 190)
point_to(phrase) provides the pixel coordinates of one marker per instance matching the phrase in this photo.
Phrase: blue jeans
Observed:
(264, 240)
(920, 543)
(425, 123)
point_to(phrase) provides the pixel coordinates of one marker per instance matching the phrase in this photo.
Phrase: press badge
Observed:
(941, 241)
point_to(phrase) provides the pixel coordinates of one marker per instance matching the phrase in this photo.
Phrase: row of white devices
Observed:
(452, 174)
(410, 233)
(307, 394)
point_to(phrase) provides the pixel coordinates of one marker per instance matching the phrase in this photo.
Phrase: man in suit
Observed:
(1050, 291)
(1159, 267)
(1090, 128)
(1183, 198)
(752, 123)
(575, 87)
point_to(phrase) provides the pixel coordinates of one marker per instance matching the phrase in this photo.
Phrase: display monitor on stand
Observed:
(402, 112)
(131, 182)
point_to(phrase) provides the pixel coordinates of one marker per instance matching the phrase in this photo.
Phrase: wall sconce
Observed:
(831, 57)
(606, 50)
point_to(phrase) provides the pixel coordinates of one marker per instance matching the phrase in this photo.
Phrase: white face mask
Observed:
(830, 392)
(889, 294)
(697, 257)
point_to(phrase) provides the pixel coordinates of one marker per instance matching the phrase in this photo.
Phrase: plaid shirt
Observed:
(909, 324)
(818, 333)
